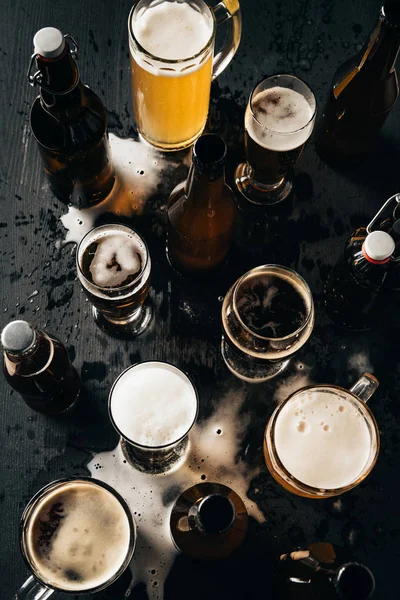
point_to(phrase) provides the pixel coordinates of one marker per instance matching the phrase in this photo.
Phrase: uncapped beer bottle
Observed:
(322, 571)
(69, 123)
(352, 290)
(37, 366)
(364, 89)
(201, 211)
(208, 521)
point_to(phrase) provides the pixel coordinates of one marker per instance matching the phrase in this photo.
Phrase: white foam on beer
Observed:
(172, 30)
(116, 258)
(214, 444)
(153, 404)
(92, 538)
(322, 439)
(282, 119)
(139, 170)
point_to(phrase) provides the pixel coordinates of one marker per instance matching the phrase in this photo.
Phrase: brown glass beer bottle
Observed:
(69, 123)
(201, 212)
(208, 521)
(364, 89)
(37, 366)
(352, 291)
(322, 571)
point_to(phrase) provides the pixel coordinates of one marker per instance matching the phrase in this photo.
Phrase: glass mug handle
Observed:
(364, 387)
(33, 590)
(227, 10)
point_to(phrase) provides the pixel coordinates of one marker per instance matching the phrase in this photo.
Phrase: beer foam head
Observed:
(78, 536)
(172, 30)
(153, 404)
(279, 119)
(116, 258)
(322, 438)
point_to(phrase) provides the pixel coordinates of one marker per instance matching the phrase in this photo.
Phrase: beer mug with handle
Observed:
(171, 45)
(77, 536)
(323, 440)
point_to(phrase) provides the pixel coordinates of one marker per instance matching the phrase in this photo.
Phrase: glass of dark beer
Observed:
(279, 119)
(77, 536)
(114, 266)
(267, 316)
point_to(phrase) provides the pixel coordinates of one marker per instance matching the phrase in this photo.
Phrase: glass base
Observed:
(129, 327)
(172, 147)
(247, 370)
(261, 193)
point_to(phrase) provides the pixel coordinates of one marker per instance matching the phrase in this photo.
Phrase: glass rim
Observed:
(96, 482)
(121, 288)
(173, 61)
(289, 477)
(137, 444)
(283, 133)
(241, 280)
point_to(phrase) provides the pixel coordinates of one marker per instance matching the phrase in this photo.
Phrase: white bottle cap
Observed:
(49, 42)
(379, 245)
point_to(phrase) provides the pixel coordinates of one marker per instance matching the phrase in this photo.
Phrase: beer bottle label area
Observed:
(200, 250)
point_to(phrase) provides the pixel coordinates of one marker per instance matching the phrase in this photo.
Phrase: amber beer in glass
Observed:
(172, 64)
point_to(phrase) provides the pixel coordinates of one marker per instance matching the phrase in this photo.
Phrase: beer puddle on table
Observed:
(140, 169)
(212, 456)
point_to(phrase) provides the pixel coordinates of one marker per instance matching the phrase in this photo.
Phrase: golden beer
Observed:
(171, 47)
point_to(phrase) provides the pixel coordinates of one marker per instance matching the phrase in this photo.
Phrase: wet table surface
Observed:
(38, 283)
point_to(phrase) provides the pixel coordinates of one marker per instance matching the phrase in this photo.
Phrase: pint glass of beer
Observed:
(114, 265)
(279, 119)
(171, 47)
(153, 406)
(77, 536)
(267, 316)
(323, 440)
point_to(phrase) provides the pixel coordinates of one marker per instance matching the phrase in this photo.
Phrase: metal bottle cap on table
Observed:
(49, 42)
(17, 337)
(379, 245)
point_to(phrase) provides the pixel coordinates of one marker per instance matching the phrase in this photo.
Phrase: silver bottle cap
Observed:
(379, 245)
(18, 337)
(49, 42)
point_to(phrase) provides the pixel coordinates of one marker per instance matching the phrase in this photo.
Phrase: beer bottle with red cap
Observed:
(69, 123)
(352, 291)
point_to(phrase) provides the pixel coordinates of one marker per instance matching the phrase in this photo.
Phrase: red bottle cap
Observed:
(378, 247)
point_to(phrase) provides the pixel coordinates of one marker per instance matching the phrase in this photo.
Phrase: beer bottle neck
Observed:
(205, 185)
(213, 514)
(60, 84)
(380, 53)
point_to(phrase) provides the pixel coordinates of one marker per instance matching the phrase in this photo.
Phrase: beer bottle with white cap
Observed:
(352, 291)
(209, 521)
(322, 571)
(36, 364)
(69, 123)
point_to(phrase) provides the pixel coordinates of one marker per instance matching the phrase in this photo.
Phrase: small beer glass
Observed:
(153, 406)
(267, 316)
(323, 440)
(171, 46)
(114, 266)
(77, 536)
(279, 119)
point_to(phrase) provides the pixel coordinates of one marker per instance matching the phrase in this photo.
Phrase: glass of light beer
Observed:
(153, 405)
(279, 119)
(171, 47)
(77, 536)
(114, 266)
(323, 440)
(267, 316)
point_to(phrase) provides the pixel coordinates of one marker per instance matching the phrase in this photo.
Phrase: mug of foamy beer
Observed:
(153, 406)
(279, 119)
(114, 266)
(171, 45)
(323, 440)
(77, 536)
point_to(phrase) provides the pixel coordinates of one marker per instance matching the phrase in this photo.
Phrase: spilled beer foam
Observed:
(212, 456)
(78, 536)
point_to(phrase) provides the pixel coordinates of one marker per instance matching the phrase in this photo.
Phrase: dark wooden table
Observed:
(308, 38)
